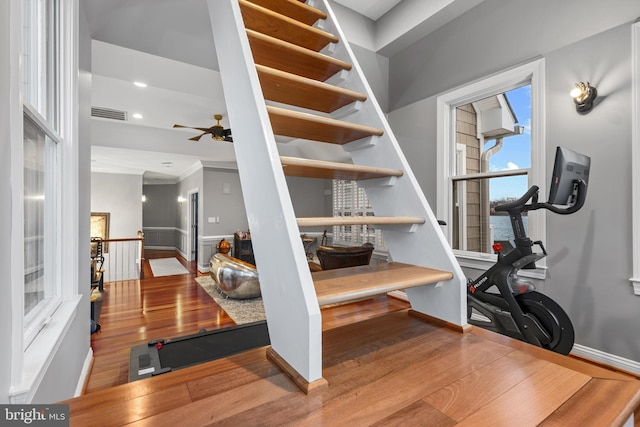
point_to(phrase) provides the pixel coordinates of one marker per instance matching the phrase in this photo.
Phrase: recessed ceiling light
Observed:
(167, 164)
(140, 84)
(136, 115)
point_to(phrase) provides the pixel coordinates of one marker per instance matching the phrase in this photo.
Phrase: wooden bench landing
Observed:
(354, 283)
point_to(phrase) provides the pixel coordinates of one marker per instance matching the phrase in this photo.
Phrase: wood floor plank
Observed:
(584, 408)
(223, 405)
(531, 401)
(372, 402)
(121, 413)
(416, 414)
(462, 398)
(577, 364)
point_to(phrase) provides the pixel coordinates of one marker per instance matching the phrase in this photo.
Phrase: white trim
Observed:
(461, 151)
(162, 248)
(606, 358)
(84, 374)
(16, 131)
(38, 357)
(160, 228)
(532, 72)
(635, 154)
(189, 248)
(190, 171)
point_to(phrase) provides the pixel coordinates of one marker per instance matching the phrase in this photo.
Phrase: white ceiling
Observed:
(168, 44)
(370, 8)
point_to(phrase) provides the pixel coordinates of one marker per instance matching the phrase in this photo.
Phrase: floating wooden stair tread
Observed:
(353, 283)
(285, 56)
(316, 128)
(293, 9)
(358, 220)
(309, 168)
(282, 27)
(287, 88)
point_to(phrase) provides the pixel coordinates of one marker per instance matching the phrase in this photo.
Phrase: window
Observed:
(351, 200)
(490, 150)
(493, 156)
(42, 289)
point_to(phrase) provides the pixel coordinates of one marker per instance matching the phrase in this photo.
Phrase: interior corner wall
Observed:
(589, 261)
(120, 196)
(376, 70)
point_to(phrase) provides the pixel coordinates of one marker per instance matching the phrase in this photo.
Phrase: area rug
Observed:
(166, 267)
(240, 310)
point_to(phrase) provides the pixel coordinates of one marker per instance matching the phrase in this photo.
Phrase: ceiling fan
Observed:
(217, 132)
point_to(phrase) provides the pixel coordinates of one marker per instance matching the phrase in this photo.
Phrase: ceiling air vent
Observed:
(108, 113)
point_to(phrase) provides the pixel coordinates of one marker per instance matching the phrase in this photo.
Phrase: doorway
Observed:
(193, 225)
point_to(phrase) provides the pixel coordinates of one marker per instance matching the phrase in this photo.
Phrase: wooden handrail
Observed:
(126, 239)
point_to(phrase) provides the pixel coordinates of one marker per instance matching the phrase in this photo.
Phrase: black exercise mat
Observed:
(206, 346)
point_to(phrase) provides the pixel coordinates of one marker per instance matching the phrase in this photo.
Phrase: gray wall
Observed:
(228, 207)
(494, 35)
(160, 210)
(590, 259)
(376, 70)
(120, 195)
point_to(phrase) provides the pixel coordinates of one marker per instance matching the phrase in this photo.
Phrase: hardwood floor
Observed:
(383, 366)
(137, 311)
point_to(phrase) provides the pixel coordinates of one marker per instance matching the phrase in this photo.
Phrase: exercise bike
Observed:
(517, 310)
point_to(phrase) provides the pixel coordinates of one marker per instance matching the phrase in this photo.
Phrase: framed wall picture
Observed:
(100, 227)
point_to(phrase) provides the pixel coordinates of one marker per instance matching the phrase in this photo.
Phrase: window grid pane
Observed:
(492, 140)
(39, 218)
(350, 200)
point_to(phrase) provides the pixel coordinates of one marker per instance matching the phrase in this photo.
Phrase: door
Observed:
(194, 226)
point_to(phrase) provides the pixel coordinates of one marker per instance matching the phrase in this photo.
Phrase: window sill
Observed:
(483, 262)
(42, 350)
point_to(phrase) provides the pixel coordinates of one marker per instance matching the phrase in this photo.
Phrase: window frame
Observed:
(529, 73)
(31, 360)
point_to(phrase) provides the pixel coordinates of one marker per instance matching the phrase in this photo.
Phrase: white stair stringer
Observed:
(427, 245)
(291, 306)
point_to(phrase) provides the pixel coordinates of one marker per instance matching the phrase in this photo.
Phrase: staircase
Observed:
(287, 71)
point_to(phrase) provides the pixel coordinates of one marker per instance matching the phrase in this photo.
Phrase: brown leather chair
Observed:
(332, 257)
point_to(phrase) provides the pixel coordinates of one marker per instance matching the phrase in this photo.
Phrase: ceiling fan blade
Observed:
(196, 138)
(190, 127)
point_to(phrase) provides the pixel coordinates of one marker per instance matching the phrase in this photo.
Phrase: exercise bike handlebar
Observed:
(521, 205)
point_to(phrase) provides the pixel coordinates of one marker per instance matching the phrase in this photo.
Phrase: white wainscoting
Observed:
(161, 238)
(207, 247)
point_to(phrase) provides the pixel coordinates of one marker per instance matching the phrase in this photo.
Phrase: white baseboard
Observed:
(606, 358)
(84, 374)
(161, 248)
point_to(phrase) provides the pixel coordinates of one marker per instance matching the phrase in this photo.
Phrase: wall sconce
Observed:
(143, 198)
(583, 95)
(181, 200)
